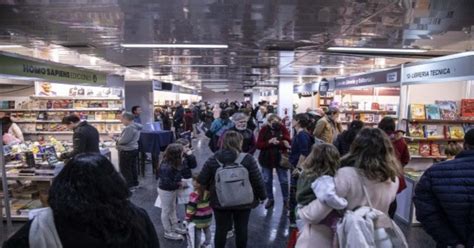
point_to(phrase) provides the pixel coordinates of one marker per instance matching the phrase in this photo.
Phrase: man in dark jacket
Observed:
(178, 119)
(84, 139)
(444, 199)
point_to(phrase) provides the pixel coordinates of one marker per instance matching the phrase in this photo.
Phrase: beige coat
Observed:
(325, 131)
(348, 185)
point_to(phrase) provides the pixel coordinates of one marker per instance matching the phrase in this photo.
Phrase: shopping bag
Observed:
(191, 235)
(183, 194)
(158, 201)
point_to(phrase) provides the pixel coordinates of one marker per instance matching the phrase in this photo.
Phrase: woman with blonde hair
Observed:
(371, 163)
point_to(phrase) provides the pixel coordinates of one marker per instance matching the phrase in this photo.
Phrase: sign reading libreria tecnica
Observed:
(450, 68)
(48, 71)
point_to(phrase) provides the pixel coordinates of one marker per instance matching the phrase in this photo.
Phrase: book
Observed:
(434, 131)
(425, 149)
(467, 107)
(435, 150)
(416, 130)
(432, 112)
(417, 112)
(456, 132)
(414, 148)
(448, 110)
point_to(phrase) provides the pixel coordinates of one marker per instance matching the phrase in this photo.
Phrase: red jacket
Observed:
(188, 121)
(401, 148)
(270, 154)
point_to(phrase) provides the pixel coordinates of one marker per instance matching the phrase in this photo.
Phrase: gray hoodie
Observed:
(128, 140)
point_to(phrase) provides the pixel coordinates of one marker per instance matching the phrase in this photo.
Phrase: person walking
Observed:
(273, 142)
(371, 163)
(328, 127)
(127, 146)
(84, 139)
(169, 183)
(218, 128)
(344, 140)
(240, 126)
(239, 215)
(89, 206)
(444, 199)
(178, 119)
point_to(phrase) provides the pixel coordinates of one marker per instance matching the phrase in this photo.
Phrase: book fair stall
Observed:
(36, 95)
(367, 97)
(435, 122)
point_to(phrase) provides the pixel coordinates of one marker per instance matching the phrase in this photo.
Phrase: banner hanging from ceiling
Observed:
(48, 71)
(377, 78)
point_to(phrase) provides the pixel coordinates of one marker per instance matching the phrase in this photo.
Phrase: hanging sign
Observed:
(49, 71)
(391, 76)
(459, 66)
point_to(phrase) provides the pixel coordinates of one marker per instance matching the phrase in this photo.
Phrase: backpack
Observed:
(369, 227)
(232, 184)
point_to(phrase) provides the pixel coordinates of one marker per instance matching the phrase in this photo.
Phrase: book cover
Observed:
(425, 149)
(414, 148)
(434, 131)
(448, 110)
(467, 107)
(432, 112)
(456, 132)
(417, 111)
(416, 130)
(435, 150)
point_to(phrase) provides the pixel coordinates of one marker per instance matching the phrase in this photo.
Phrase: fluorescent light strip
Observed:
(193, 65)
(10, 46)
(197, 46)
(375, 50)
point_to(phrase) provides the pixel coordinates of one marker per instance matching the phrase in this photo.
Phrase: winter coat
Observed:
(85, 139)
(188, 121)
(169, 177)
(270, 154)
(189, 163)
(178, 118)
(300, 146)
(349, 186)
(401, 147)
(342, 144)
(129, 137)
(444, 200)
(327, 130)
(73, 236)
(208, 172)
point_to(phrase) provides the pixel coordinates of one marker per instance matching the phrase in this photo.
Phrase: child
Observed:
(169, 184)
(317, 181)
(189, 162)
(452, 150)
(199, 212)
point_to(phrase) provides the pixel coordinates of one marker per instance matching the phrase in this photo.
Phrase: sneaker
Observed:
(180, 230)
(173, 236)
(269, 204)
(230, 233)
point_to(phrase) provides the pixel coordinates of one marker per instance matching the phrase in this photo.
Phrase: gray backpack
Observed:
(232, 183)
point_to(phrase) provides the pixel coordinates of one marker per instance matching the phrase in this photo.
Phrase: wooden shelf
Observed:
(430, 139)
(428, 157)
(441, 121)
(63, 132)
(365, 123)
(388, 112)
(91, 98)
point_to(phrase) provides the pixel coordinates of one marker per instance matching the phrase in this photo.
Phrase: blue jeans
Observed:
(282, 177)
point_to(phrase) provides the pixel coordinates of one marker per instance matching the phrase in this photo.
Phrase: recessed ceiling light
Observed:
(10, 46)
(197, 46)
(375, 50)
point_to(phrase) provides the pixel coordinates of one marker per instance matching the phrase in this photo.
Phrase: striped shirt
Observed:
(198, 210)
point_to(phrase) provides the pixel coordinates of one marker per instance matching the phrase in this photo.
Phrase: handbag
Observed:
(285, 162)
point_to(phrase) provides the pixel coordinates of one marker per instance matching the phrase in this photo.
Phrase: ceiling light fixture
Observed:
(193, 65)
(188, 46)
(375, 50)
(10, 46)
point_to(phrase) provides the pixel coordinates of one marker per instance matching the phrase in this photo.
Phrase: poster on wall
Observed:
(54, 89)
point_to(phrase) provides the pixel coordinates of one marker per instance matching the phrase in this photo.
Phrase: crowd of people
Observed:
(322, 171)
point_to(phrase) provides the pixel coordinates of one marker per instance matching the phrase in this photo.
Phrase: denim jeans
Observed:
(282, 177)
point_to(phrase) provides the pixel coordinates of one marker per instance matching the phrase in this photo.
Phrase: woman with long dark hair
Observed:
(370, 164)
(344, 140)
(89, 207)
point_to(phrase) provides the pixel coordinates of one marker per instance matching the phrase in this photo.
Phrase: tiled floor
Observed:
(266, 228)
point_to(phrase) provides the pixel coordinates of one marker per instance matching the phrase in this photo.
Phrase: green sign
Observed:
(49, 71)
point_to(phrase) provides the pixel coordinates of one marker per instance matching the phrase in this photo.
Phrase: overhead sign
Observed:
(449, 68)
(157, 85)
(48, 71)
(376, 78)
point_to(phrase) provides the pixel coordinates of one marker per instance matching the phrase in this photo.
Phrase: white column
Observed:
(285, 87)
(255, 96)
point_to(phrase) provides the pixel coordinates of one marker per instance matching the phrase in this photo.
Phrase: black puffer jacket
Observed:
(444, 200)
(84, 139)
(208, 172)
